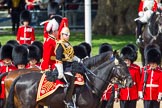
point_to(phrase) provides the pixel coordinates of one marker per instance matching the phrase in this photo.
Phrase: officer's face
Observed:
(65, 36)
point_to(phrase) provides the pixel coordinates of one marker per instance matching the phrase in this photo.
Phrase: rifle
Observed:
(145, 79)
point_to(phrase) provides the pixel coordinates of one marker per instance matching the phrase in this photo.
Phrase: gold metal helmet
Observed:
(65, 30)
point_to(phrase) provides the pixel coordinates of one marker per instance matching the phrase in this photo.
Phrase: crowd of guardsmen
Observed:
(56, 52)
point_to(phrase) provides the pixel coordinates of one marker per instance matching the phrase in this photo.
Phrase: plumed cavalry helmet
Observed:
(65, 30)
(105, 47)
(63, 23)
(127, 53)
(52, 25)
(25, 16)
(33, 52)
(152, 54)
(19, 55)
(6, 51)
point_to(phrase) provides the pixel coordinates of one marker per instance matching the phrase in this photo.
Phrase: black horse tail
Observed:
(1, 76)
(10, 99)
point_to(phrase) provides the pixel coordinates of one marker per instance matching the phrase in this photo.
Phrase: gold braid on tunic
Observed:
(68, 50)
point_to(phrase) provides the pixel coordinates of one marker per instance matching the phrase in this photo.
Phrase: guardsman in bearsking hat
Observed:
(20, 55)
(6, 56)
(25, 34)
(39, 44)
(150, 89)
(33, 57)
(53, 28)
(87, 47)
(128, 96)
(134, 47)
(80, 52)
(108, 95)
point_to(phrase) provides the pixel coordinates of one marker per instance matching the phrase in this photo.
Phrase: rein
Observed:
(154, 37)
(94, 75)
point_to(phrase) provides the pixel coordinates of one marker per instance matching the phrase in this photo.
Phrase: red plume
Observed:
(64, 22)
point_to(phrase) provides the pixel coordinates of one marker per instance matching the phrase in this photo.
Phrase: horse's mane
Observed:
(97, 60)
(153, 23)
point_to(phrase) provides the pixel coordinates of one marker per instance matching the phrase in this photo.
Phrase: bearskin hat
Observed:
(40, 46)
(19, 55)
(80, 52)
(6, 51)
(135, 50)
(127, 53)
(33, 52)
(105, 47)
(87, 47)
(25, 16)
(14, 43)
(152, 54)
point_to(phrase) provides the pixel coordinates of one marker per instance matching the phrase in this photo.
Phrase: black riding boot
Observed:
(139, 32)
(68, 98)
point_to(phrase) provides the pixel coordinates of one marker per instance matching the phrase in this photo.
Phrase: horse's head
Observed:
(121, 73)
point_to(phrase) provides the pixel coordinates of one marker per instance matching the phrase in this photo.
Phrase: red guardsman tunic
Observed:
(2, 70)
(45, 33)
(153, 87)
(25, 35)
(131, 93)
(141, 8)
(49, 57)
(31, 6)
(107, 93)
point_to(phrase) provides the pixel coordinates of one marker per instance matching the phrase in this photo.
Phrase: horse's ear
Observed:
(116, 54)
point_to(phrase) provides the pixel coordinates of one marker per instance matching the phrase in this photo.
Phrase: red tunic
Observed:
(131, 93)
(45, 33)
(49, 57)
(140, 8)
(2, 70)
(25, 35)
(153, 83)
(31, 6)
(107, 93)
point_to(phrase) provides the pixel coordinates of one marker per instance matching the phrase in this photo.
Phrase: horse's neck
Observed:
(152, 25)
(97, 60)
(102, 78)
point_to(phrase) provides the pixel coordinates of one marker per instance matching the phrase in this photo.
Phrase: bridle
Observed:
(113, 78)
(154, 37)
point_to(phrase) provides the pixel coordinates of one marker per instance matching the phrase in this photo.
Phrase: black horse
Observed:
(87, 96)
(152, 33)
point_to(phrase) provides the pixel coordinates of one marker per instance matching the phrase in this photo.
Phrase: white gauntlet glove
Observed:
(59, 67)
(75, 58)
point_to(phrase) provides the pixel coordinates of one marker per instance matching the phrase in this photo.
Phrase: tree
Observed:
(115, 17)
